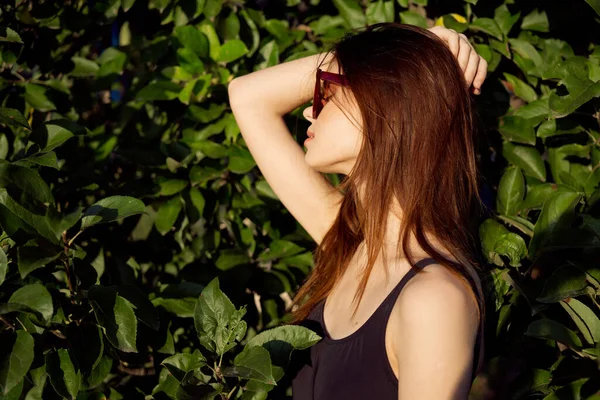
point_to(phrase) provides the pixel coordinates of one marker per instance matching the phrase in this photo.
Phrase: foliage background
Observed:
(126, 189)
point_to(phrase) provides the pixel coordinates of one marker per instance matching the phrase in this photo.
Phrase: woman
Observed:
(391, 112)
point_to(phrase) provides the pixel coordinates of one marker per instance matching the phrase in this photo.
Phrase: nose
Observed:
(307, 113)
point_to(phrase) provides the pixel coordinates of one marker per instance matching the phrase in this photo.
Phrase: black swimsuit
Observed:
(354, 367)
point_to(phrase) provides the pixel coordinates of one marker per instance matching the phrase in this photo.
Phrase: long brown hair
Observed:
(419, 126)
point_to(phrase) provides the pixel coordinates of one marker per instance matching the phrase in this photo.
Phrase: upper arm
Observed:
(436, 337)
(306, 193)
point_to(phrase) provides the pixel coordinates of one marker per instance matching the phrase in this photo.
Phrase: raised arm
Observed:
(259, 101)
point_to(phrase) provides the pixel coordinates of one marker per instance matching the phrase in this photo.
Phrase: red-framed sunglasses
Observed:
(327, 78)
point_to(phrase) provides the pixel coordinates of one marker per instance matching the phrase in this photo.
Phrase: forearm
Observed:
(280, 88)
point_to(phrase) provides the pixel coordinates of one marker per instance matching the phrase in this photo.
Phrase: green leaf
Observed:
(232, 50)
(252, 363)
(498, 241)
(3, 266)
(230, 258)
(17, 362)
(183, 308)
(585, 319)
(16, 217)
(562, 168)
(167, 215)
(54, 133)
(536, 111)
(537, 195)
(351, 12)
(171, 186)
(556, 213)
(280, 249)
(240, 160)
(35, 296)
(112, 61)
(8, 35)
(380, 11)
(27, 180)
(511, 190)
(565, 281)
(412, 18)
(529, 53)
(504, 20)
(44, 159)
(160, 90)
(517, 129)
(10, 116)
(208, 29)
(527, 158)
(63, 376)
(297, 336)
(84, 67)
(212, 315)
(536, 21)
(595, 4)
(548, 329)
(190, 37)
(520, 88)
(111, 209)
(573, 74)
(100, 372)
(35, 95)
(182, 366)
(115, 314)
(488, 26)
(189, 61)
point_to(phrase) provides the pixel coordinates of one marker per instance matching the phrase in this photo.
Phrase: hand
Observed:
(472, 64)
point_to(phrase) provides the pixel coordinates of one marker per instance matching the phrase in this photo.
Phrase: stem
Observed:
(73, 238)
(11, 326)
(231, 393)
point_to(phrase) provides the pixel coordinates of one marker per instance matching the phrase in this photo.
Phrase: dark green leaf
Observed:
(17, 362)
(351, 12)
(35, 95)
(64, 377)
(35, 254)
(536, 21)
(488, 26)
(111, 209)
(549, 329)
(167, 215)
(564, 282)
(556, 213)
(35, 296)
(413, 18)
(527, 158)
(232, 50)
(212, 315)
(511, 190)
(252, 363)
(3, 266)
(190, 37)
(10, 116)
(504, 20)
(517, 129)
(27, 180)
(116, 315)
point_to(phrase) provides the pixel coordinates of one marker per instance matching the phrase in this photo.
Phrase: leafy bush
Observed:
(127, 197)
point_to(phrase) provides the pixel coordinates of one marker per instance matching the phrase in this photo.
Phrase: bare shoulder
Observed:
(433, 331)
(435, 297)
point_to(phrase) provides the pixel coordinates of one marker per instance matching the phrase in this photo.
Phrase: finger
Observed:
(466, 39)
(464, 54)
(472, 67)
(453, 41)
(481, 73)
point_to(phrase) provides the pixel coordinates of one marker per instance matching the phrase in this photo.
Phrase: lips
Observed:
(310, 134)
